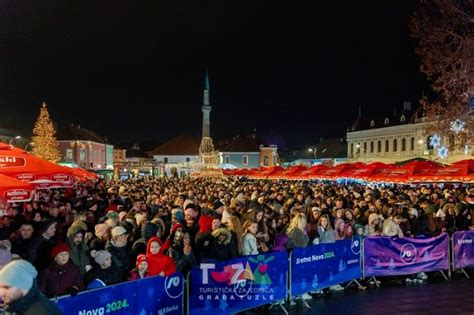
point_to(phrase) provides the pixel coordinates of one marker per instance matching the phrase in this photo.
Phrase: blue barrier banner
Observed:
(463, 249)
(385, 256)
(239, 284)
(320, 266)
(154, 295)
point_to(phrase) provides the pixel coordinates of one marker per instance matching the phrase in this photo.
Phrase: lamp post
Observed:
(314, 150)
(358, 146)
(420, 145)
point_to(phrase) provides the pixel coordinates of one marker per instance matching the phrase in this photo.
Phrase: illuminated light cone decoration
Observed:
(209, 159)
(44, 143)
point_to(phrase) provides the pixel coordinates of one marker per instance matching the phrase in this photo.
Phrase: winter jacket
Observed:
(79, 255)
(390, 228)
(33, 303)
(57, 280)
(39, 252)
(184, 263)
(297, 238)
(148, 230)
(20, 247)
(204, 245)
(122, 258)
(222, 251)
(326, 236)
(134, 275)
(108, 275)
(159, 262)
(249, 244)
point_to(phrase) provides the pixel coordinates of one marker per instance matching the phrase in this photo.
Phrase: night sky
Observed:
(134, 70)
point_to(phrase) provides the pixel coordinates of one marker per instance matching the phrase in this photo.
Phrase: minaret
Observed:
(206, 110)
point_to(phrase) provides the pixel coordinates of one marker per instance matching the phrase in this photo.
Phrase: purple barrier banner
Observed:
(386, 256)
(463, 249)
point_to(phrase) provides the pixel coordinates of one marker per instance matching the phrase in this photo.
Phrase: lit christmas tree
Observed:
(315, 283)
(45, 144)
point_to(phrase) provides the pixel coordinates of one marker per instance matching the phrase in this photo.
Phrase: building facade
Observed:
(85, 149)
(246, 152)
(120, 164)
(269, 156)
(178, 156)
(394, 139)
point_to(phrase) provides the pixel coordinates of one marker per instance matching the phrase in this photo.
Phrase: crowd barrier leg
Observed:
(359, 285)
(375, 281)
(441, 272)
(289, 282)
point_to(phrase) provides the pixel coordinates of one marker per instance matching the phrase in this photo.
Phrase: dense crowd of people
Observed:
(99, 234)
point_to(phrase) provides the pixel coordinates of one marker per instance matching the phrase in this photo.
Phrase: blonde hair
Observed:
(298, 222)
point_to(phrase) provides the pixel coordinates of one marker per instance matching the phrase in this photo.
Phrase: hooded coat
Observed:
(79, 254)
(159, 262)
(222, 250)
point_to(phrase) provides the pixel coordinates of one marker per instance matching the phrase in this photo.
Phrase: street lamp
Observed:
(420, 143)
(358, 146)
(314, 150)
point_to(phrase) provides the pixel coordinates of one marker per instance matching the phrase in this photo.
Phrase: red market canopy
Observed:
(26, 167)
(289, 173)
(14, 190)
(264, 173)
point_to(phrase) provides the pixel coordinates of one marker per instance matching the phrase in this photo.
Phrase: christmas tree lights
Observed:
(44, 143)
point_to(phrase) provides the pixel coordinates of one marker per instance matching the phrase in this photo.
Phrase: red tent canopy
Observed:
(264, 173)
(452, 173)
(26, 167)
(289, 173)
(14, 190)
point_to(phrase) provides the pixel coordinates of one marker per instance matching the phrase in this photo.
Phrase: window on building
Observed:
(395, 145)
(245, 160)
(412, 144)
(386, 122)
(352, 149)
(165, 160)
(265, 161)
(371, 147)
(379, 146)
(358, 148)
(402, 118)
(404, 144)
(386, 146)
(82, 155)
(188, 159)
(428, 144)
(69, 154)
(227, 159)
(372, 123)
(365, 147)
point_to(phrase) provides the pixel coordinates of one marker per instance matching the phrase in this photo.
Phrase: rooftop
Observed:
(183, 144)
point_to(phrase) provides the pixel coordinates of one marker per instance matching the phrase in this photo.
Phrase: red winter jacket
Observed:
(159, 262)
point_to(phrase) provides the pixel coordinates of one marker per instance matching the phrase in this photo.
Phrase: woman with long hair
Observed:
(236, 230)
(296, 232)
(249, 238)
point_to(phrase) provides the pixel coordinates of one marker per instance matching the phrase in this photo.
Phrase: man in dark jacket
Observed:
(122, 254)
(19, 292)
(39, 250)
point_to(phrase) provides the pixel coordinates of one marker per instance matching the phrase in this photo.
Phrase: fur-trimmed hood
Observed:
(222, 231)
